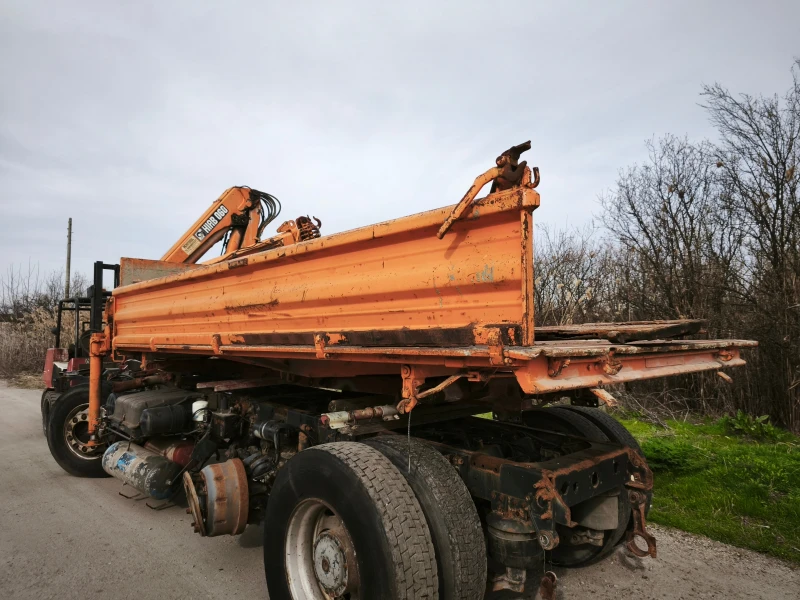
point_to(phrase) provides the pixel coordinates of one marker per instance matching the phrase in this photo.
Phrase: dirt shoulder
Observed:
(688, 567)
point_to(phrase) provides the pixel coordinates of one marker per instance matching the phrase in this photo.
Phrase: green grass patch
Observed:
(711, 480)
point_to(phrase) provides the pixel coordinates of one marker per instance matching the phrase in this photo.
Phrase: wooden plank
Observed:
(622, 333)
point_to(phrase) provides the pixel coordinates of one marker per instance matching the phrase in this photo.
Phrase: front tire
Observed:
(48, 398)
(67, 433)
(341, 518)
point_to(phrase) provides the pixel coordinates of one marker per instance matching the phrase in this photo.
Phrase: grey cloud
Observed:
(132, 118)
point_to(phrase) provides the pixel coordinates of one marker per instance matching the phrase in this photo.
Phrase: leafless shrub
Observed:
(28, 305)
(571, 283)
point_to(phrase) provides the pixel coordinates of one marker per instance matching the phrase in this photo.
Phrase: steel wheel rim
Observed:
(319, 554)
(76, 434)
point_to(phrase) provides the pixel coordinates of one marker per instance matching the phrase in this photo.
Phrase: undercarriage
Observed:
(538, 483)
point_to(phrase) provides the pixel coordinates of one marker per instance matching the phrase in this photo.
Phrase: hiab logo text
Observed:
(211, 222)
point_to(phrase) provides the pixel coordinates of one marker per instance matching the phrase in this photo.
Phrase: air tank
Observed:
(146, 471)
(172, 418)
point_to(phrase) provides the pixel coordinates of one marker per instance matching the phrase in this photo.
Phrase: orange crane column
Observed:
(98, 347)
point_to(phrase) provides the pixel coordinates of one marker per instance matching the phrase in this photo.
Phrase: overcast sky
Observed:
(133, 117)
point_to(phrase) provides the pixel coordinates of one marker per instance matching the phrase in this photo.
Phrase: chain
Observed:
(544, 561)
(409, 442)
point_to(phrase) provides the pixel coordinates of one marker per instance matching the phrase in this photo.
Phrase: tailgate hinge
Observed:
(496, 351)
(320, 342)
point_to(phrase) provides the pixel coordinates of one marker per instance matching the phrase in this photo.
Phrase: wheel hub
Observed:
(76, 434)
(330, 563)
(320, 557)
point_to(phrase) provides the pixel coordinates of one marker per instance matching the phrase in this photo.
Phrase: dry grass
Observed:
(23, 345)
(27, 381)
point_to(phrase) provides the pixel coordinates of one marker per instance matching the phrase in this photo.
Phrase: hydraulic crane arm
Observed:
(240, 215)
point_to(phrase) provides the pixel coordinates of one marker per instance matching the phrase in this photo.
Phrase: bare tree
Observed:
(27, 315)
(23, 289)
(759, 159)
(712, 230)
(677, 235)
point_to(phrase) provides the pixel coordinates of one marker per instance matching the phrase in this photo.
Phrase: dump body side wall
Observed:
(391, 277)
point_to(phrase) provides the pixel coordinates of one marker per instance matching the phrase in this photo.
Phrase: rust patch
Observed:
(439, 337)
(132, 384)
(489, 463)
(547, 586)
(261, 306)
(510, 508)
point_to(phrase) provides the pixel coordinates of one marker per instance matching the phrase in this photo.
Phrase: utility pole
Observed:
(69, 256)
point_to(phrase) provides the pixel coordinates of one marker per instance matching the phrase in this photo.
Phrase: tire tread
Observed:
(454, 508)
(405, 525)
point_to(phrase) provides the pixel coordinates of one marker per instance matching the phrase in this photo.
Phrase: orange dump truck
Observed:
(327, 386)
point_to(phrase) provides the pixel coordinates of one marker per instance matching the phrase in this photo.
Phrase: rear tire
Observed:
(67, 433)
(615, 431)
(552, 419)
(451, 514)
(562, 419)
(386, 543)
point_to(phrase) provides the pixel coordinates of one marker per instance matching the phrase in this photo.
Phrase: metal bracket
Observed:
(135, 497)
(611, 366)
(411, 383)
(512, 580)
(725, 355)
(509, 173)
(164, 505)
(99, 344)
(603, 396)
(320, 341)
(642, 476)
(547, 507)
(556, 365)
(496, 351)
(639, 527)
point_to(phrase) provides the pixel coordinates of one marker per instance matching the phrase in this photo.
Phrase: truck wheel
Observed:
(451, 514)
(48, 397)
(562, 419)
(342, 522)
(67, 433)
(615, 431)
(553, 419)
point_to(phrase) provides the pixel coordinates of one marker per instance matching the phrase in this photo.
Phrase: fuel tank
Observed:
(146, 471)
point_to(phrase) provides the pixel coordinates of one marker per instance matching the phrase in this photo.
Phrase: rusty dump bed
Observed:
(393, 298)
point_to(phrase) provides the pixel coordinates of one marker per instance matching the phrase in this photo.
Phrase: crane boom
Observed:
(238, 213)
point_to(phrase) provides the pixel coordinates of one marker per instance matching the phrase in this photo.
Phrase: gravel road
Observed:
(68, 538)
